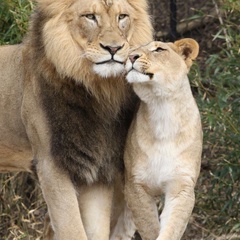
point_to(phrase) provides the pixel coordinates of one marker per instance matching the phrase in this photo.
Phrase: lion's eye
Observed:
(159, 49)
(90, 16)
(122, 16)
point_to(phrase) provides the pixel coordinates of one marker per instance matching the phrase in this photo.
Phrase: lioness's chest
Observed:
(159, 165)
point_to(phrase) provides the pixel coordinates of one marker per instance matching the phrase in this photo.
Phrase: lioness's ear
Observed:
(188, 48)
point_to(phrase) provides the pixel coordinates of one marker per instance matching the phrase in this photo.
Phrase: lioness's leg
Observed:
(61, 199)
(144, 210)
(95, 203)
(179, 202)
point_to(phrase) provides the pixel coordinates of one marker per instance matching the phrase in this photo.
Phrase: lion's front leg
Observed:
(179, 203)
(125, 227)
(144, 210)
(95, 202)
(61, 198)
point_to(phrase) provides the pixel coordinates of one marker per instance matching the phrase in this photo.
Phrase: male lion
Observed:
(164, 143)
(66, 106)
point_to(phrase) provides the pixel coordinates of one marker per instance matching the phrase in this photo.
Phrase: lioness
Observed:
(64, 104)
(164, 143)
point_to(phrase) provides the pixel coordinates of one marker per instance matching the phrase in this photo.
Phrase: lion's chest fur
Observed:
(87, 139)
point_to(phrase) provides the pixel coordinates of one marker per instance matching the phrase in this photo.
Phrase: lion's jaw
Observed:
(92, 33)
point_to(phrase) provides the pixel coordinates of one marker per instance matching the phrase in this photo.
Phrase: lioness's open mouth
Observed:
(144, 73)
(149, 74)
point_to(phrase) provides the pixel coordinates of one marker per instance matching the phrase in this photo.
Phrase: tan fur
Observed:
(164, 144)
(63, 50)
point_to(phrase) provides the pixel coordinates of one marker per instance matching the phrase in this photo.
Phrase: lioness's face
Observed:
(166, 64)
(95, 32)
(155, 62)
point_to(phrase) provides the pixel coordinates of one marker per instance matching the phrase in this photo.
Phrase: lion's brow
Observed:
(108, 2)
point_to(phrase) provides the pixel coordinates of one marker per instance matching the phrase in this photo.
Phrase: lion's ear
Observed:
(188, 48)
(54, 7)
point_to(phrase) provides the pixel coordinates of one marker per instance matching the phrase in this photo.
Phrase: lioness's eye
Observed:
(122, 16)
(159, 49)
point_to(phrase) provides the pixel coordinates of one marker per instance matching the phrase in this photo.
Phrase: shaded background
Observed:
(215, 82)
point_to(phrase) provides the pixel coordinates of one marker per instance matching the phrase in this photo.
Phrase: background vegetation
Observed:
(215, 83)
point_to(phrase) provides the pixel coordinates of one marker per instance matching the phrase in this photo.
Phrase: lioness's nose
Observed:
(133, 58)
(110, 49)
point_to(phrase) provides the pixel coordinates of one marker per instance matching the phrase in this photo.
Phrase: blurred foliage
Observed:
(218, 99)
(14, 15)
(215, 81)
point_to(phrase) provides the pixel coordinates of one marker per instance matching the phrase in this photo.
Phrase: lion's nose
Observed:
(110, 49)
(133, 58)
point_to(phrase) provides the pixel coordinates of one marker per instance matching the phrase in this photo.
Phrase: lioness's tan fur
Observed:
(164, 144)
(64, 103)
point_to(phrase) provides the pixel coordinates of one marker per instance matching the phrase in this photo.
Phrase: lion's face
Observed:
(82, 36)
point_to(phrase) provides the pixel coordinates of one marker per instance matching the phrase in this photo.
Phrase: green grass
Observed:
(219, 103)
(14, 15)
(218, 98)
